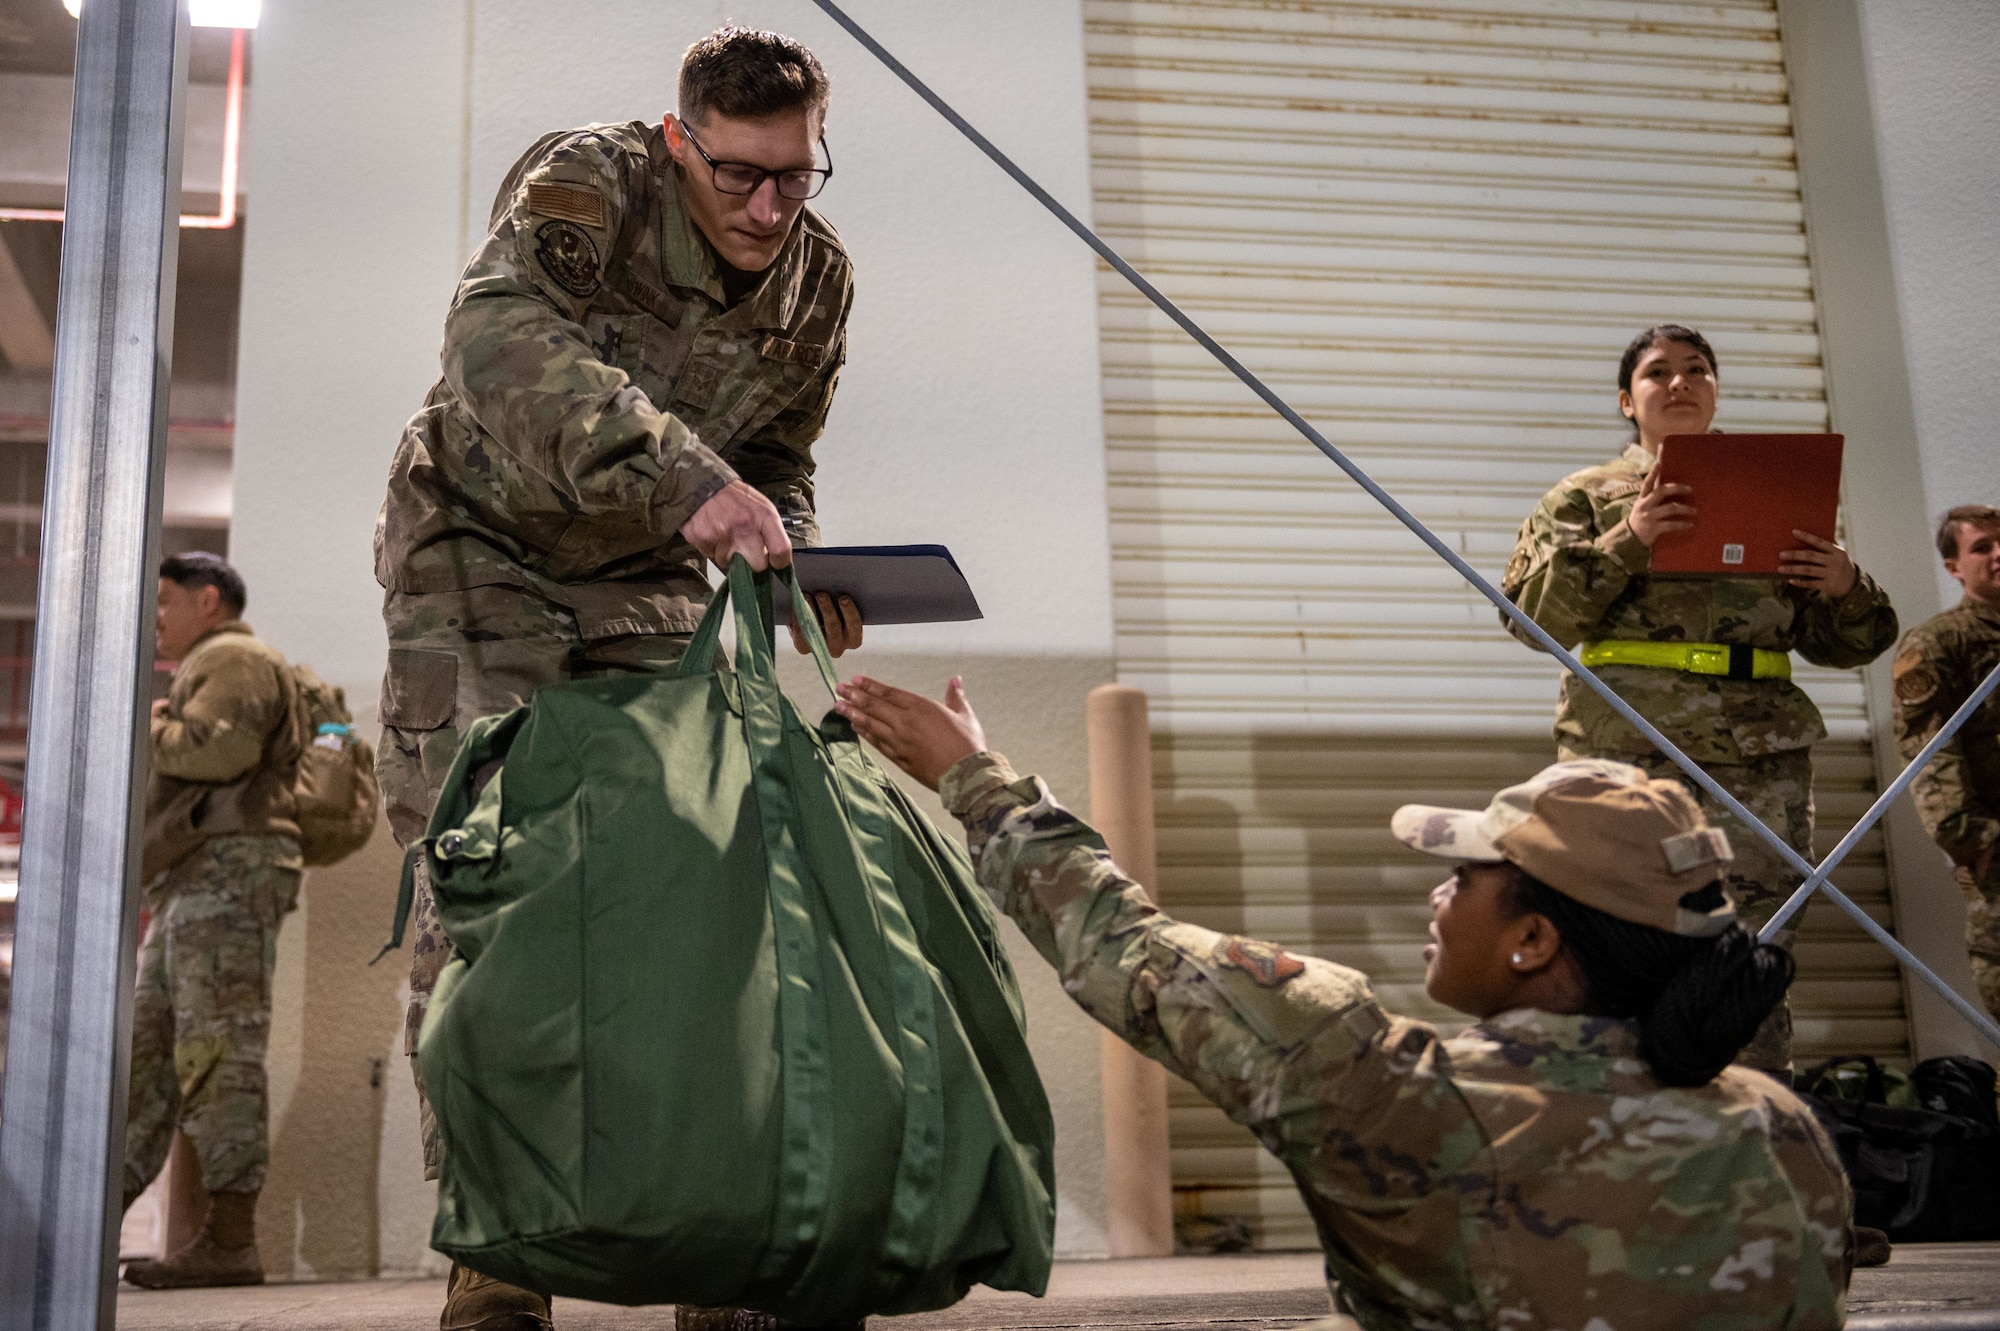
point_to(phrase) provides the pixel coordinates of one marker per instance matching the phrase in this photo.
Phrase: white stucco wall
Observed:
(968, 413)
(1934, 81)
(1895, 103)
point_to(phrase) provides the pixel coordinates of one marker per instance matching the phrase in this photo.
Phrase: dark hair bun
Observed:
(1711, 1007)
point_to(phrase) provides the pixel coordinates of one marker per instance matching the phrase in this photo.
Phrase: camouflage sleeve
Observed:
(778, 459)
(1930, 683)
(1850, 632)
(217, 731)
(1565, 573)
(518, 358)
(1270, 1037)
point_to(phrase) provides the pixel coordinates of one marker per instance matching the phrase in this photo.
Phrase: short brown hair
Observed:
(750, 74)
(1978, 515)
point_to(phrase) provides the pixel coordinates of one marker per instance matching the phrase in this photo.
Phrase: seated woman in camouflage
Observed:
(1580, 570)
(1582, 1157)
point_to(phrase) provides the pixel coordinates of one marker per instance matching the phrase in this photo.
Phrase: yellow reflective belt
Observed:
(1698, 658)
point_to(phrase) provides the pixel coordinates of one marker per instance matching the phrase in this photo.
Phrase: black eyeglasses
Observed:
(744, 178)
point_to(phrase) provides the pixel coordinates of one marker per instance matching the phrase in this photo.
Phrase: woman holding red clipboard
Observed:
(1705, 658)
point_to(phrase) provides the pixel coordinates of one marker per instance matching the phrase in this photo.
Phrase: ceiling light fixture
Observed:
(207, 13)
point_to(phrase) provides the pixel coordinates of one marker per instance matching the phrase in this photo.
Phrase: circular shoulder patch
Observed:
(568, 254)
(1915, 680)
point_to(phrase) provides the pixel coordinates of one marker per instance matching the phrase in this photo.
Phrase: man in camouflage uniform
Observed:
(1580, 571)
(221, 868)
(1529, 1173)
(1940, 663)
(637, 363)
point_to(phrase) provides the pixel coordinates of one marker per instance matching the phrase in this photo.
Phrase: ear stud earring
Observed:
(1517, 958)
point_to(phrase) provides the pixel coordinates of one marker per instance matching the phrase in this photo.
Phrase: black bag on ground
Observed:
(1919, 1175)
(1960, 1086)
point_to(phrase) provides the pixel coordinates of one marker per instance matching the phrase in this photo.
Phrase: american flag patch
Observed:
(571, 203)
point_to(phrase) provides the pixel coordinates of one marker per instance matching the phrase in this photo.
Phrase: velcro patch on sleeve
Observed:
(1268, 965)
(1915, 681)
(798, 353)
(571, 203)
(1690, 850)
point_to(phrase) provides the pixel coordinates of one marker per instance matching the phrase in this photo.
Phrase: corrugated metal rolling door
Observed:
(1433, 228)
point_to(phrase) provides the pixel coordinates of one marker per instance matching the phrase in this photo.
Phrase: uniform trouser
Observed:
(202, 1015)
(1776, 788)
(1982, 931)
(453, 658)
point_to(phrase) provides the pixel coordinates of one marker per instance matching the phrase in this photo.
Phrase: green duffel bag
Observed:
(728, 1021)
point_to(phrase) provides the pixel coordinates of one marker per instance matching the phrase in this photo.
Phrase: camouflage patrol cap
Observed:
(1600, 832)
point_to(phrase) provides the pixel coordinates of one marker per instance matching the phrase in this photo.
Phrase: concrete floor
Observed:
(1925, 1287)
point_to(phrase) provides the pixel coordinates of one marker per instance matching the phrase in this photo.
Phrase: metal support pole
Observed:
(62, 1119)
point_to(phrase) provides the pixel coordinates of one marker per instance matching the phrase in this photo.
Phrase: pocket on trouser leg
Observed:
(418, 711)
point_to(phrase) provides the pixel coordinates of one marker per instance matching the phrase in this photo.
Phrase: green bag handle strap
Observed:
(755, 589)
(406, 897)
(800, 1208)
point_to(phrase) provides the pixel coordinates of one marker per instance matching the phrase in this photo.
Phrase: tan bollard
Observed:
(1138, 1159)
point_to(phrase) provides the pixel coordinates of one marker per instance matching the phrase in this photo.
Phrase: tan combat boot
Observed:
(224, 1252)
(475, 1302)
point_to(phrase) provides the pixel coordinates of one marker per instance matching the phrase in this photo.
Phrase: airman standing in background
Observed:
(1939, 664)
(1580, 570)
(221, 869)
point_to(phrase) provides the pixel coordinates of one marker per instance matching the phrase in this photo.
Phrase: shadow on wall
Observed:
(337, 1038)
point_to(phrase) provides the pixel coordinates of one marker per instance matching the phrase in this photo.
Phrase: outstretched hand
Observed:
(922, 737)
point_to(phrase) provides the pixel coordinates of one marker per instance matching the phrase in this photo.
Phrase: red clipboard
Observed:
(1751, 491)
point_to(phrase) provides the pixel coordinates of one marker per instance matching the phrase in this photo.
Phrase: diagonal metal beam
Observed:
(1984, 1024)
(62, 1119)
